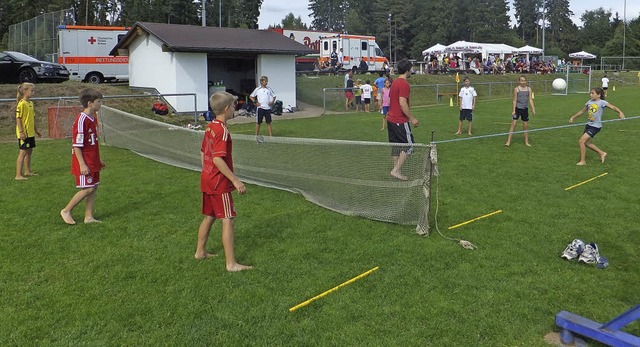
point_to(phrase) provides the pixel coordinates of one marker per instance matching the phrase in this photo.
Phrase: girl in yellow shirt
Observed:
(25, 130)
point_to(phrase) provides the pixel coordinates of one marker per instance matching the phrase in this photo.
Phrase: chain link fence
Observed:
(38, 36)
(434, 94)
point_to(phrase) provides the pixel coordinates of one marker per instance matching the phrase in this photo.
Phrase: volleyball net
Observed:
(349, 177)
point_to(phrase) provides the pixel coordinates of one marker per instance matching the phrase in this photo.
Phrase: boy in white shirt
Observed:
(366, 95)
(263, 97)
(467, 103)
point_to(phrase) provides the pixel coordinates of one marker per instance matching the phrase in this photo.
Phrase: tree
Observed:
(526, 13)
(328, 15)
(561, 32)
(596, 30)
(291, 22)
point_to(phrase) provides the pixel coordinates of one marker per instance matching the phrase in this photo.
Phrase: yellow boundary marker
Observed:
(303, 304)
(587, 181)
(475, 219)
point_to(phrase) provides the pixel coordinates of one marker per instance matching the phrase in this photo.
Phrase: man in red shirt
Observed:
(398, 119)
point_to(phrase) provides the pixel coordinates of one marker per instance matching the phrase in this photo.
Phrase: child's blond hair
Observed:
(23, 87)
(219, 101)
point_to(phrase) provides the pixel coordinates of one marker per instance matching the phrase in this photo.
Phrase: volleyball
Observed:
(559, 84)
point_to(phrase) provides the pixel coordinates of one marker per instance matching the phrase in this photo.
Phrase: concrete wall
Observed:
(169, 73)
(281, 70)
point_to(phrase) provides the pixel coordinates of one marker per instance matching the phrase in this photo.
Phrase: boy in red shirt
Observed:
(217, 181)
(85, 157)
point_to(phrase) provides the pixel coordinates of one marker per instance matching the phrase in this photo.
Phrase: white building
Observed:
(178, 59)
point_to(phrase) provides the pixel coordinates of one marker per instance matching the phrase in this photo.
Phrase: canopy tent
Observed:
(582, 55)
(464, 47)
(435, 49)
(528, 50)
(497, 48)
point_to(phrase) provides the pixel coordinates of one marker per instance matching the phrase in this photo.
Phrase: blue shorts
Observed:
(591, 131)
(465, 114)
(522, 113)
(266, 114)
(385, 110)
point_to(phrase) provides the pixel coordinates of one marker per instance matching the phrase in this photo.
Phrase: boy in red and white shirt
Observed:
(85, 157)
(217, 181)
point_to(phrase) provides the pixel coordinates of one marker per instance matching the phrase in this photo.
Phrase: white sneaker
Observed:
(573, 250)
(590, 254)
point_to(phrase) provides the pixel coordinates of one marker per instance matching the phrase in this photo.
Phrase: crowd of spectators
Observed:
(493, 64)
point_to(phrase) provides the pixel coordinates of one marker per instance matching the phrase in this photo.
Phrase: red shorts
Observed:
(88, 181)
(348, 95)
(218, 205)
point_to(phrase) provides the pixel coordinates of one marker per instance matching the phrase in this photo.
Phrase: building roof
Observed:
(214, 40)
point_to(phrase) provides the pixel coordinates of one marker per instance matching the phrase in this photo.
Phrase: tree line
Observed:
(411, 25)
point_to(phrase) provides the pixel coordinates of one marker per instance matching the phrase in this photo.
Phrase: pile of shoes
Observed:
(586, 253)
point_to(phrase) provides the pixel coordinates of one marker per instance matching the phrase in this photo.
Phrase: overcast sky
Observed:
(273, 11)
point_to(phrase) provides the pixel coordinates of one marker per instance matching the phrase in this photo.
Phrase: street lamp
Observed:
(624, 32)
(389, 20)
(544, 25)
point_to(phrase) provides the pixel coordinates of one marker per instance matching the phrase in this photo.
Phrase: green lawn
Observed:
(132, 280)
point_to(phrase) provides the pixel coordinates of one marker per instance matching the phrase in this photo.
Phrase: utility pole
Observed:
(204, 13)
(624, 32)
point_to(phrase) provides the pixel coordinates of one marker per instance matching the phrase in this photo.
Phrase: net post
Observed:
(423, 221)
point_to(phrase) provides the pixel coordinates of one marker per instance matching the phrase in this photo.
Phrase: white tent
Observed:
(435, 49)
(582, 55)
(528, 50)
(464, 47)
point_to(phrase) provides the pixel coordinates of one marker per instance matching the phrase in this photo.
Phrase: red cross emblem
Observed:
(91, 40)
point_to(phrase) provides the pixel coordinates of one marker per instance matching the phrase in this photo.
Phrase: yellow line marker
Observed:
(587, 181)
(333, 289)
(475, 219)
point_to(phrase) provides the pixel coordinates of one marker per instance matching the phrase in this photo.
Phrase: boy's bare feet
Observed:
(458, 133)
(21, 178)
(470, 134)
(91, 220)
(205, 256)
(30, 174)
(507, 144)
(603, 156)
(528, 144)
(580, 163)
(238, 267)
(398, 175)
(67, 218)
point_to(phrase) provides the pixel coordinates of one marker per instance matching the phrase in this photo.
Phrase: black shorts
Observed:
(266, 114)
(367, 101)
(522, 113)
(358, 99)
(605, 88)
(591, 131)
(465, 114)
(400, 133)
(28, 143)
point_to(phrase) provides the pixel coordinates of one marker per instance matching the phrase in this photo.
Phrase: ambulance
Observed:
(355, 48)
(84, 50)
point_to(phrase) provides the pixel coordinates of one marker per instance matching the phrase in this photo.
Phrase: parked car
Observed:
(16, 67)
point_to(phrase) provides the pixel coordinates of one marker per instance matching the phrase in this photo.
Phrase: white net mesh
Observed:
(350, 177)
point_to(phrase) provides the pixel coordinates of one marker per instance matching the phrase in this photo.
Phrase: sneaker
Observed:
(590, 254)
(573, 250)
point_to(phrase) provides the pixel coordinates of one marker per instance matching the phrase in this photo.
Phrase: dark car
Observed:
(16, 67)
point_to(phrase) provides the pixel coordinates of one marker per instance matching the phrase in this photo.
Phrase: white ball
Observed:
(559, 84)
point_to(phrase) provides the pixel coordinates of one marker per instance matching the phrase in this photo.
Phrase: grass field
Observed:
(132, 279)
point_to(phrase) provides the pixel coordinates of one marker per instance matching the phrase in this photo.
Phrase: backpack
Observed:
(160, 108)
(276, 108)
